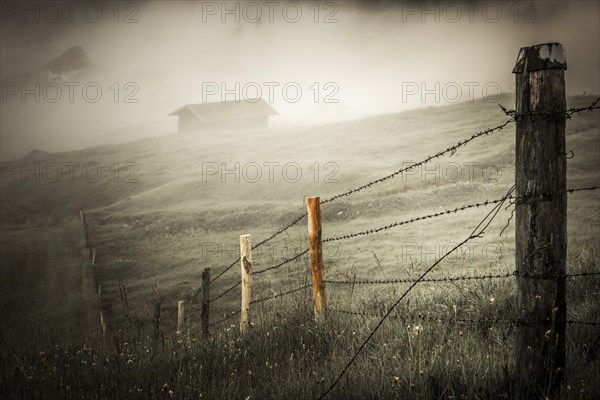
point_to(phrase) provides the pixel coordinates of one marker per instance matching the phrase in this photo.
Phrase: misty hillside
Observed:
(154, 214)
(165, 174)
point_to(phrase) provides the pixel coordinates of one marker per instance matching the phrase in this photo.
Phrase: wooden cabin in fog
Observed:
(229, 115)
(68, 65)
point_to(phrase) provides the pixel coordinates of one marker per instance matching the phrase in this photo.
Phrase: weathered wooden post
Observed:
(246, 263)
(541, 222)
(313, 205)
(180, 316)
(204, 314)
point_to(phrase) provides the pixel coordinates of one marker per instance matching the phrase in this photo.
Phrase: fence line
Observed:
(478, 232)
(513, 200)
(538, 197)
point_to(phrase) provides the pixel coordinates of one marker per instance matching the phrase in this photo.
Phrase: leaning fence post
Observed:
(541, 223)
(180, 316)
(313, 206)
(204, 315)
(246, 263)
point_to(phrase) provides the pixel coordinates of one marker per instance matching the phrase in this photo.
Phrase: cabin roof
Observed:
(72, 59)
(228, 110)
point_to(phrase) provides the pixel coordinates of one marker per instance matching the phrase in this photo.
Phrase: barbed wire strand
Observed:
(412, 220)
(589, 323)
(233, 314)
(457, 278)
(410, 280)
(256, 246)
(476, 233)
(452, 150)
(276, 295)
(238, 283)
(263, 299)
(567, 114)
(276, 266)
(281, 264)
(446, 212)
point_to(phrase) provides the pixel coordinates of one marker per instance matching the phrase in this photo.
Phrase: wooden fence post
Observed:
(180, 316)
(246, 263)
(313, 205)
(204, 315)
(541, 224)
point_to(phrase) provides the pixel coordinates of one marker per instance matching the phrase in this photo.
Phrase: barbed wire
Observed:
(280, 231)
(452, 150)
(274, 235)
(276, 295)
(279, 265)
(233, 314)
(514, 199)
(411, 280)
(556, 276)
(572, 190)
(260, 300)
(226, 291)
(412, 220)
(589, 323)
(456, 278)
(256, 246)
(225, 270)
(589, 108)
(567, 114)
(408, 280)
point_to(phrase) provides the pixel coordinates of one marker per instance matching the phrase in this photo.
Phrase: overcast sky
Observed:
(347, 59)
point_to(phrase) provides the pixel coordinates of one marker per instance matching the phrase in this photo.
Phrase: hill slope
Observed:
(169, 206)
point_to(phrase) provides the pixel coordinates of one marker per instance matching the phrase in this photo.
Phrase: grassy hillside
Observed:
(156, 214)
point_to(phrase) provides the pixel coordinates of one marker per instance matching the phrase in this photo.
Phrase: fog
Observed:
(345, 61)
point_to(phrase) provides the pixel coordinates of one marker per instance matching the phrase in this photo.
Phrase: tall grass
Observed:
(289, 356)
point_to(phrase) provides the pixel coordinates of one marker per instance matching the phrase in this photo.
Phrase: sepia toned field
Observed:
(163, 209)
